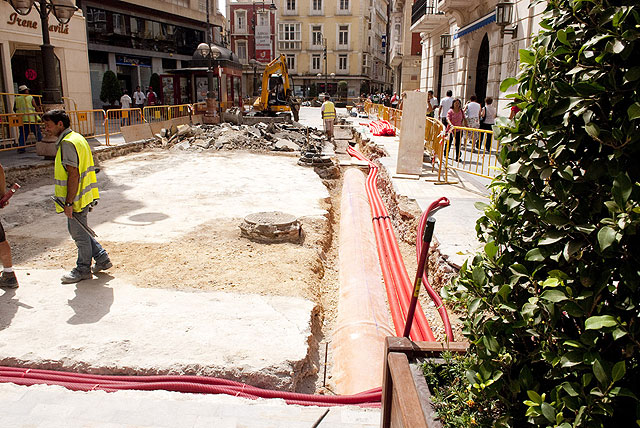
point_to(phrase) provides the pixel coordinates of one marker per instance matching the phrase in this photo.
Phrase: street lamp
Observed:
(326, 85)
(254, 63)
(63, 10)
(504, 18)
(211, 52)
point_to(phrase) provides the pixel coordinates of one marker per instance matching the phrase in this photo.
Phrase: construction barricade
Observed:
(89, 123)
(19, 130)
(117, 118)
(472, 150)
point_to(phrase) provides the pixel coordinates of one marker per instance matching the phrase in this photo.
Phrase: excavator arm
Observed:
(285, 103)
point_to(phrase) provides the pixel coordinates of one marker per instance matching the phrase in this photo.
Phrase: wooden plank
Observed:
(409, 409)
(423, 349)
(387, 390)
(425, 396)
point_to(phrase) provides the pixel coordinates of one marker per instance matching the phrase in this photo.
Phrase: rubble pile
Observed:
(258, 137)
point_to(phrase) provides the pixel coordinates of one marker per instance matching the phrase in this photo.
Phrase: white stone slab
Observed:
(411, 148)
(107, 326)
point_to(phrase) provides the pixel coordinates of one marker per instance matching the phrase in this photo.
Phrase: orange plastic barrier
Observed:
(14, 124)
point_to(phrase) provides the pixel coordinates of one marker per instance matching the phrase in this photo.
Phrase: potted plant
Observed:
(110, 91)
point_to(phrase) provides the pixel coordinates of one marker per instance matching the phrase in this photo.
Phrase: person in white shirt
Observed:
(488, 117)
(445, 106)
(432, 104)
(472, 113)
(125, 103)
(138, 98)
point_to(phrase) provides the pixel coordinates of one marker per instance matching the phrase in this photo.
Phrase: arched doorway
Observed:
(482, 70)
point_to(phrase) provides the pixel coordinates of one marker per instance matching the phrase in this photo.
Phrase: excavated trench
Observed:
(216, 258)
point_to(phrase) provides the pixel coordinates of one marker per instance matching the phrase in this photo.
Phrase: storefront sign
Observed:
(14, 19)
(31, 74)
(263, 42)
(133, 60)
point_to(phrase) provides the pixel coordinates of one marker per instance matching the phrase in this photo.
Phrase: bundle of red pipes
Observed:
(381, 127)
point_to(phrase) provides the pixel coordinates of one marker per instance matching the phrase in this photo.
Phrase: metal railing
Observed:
(19, 130)
(422, 8)
(117, 118)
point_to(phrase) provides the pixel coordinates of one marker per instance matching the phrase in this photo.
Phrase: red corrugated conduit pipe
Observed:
(399, 286)
(188, 384)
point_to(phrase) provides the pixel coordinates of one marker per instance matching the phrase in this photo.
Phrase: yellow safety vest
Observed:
(88, 187)
(329, 111)
(24, 104)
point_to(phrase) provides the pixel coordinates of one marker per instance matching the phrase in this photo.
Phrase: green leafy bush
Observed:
(454, 402)
(110, 90)
(553, 301)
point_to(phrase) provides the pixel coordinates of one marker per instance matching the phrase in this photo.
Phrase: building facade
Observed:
(335, 46)
(135, 39)
(253, 39)
(481, 53)
(21, 58)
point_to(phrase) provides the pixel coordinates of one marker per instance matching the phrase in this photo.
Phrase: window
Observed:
(263, 18)
(342, 63)
(343, 36)
(343, 5)
(316, 36)
(241, 21)
(118, 24)
(241, 51)
(289, 35)
(290, 5)
(291, 62)
(96, 20)
(315, 62)
(316, 7)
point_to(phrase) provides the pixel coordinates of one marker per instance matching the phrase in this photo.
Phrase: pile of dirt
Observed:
(261, 137)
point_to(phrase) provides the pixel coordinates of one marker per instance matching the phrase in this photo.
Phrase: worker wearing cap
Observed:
(26, 106)
(328, 111)
(76, 184)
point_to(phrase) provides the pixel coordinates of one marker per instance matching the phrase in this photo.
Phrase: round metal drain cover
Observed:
(272, 226)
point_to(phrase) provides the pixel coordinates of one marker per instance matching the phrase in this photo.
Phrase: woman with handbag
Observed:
(488, 116)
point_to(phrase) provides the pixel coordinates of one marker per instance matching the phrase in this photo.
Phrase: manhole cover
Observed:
(272, 226)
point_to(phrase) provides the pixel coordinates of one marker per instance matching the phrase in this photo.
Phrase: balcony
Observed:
(396, 54)
(425, 16)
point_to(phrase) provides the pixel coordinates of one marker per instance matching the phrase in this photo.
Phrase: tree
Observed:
(313, 90)
(110, 91)
(342, 88)
(553, 301)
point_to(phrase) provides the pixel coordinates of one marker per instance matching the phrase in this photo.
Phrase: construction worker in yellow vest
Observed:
(328, 111)
(26, 106)
(76, 185)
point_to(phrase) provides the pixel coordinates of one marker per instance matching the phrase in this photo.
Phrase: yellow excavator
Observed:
(276, 95)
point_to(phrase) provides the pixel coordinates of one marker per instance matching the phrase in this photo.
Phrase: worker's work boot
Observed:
(100, 266)
(8, 280)
(75, 276)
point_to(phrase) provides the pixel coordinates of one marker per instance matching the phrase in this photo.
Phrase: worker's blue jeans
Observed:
(88, 247)
(24, 133)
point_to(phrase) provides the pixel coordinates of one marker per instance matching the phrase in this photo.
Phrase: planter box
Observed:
(406, 399)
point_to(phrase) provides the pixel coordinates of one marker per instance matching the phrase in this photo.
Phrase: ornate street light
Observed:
(63, 10)
(445, 45)
(504, 18)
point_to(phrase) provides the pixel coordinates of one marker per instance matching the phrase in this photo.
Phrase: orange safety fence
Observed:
(478, 147)
(476, 153)
(117, 118)
(7, 100)
(19, 130)
(180, 110)
(89, 123)
(69, 104)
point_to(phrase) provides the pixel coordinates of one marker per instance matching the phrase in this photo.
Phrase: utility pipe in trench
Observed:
(363, 319)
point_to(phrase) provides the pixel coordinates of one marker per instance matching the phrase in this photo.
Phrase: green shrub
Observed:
(110, 90)
(553, 301)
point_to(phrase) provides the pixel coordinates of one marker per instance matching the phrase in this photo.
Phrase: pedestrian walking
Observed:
(25, 105)
(8, 278)
(472, 113)
(445, 106)
(395, 99)
(432, 104)
(76, 184)
(138, 98)
(328, 111)
(152, 97)
(455, 117)
(488, 119)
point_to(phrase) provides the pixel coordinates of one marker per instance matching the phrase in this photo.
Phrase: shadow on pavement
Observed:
(93, 300)
(9, 307)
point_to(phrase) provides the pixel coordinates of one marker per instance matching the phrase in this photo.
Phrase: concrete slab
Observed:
(54, 406)
(106, 326)
(136, 132)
